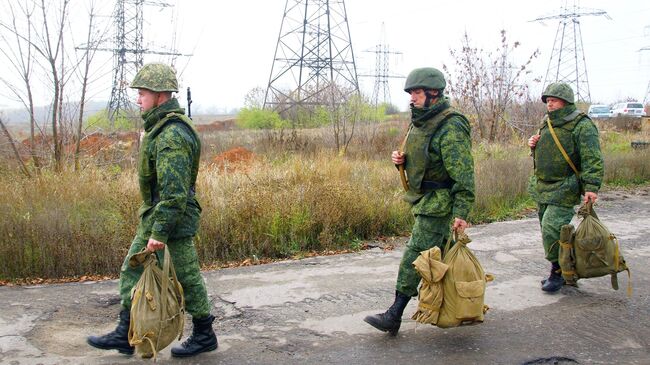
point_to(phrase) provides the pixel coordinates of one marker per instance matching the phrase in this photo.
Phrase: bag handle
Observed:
(559, 146)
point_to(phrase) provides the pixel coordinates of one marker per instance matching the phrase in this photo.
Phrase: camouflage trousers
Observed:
(186, 264)
(551, 220)
(427, 233)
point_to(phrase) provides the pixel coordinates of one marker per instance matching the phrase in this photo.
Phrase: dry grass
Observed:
(297, 195)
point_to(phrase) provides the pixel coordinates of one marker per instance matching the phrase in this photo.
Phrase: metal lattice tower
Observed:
(128, 51)
(567, 62)
(381, 91)
(313, 56)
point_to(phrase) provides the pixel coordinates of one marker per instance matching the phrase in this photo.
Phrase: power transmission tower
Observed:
(128, 51)
(567, 62)
(313, 58)
(381, 91)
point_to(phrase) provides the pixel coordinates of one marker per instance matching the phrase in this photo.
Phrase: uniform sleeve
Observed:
(456, 150)
(173, 168)
(592, 165)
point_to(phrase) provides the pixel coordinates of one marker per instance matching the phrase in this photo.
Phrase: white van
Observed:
(632, 109)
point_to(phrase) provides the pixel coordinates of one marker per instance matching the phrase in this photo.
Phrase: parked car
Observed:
(633, 109)
(598, 111)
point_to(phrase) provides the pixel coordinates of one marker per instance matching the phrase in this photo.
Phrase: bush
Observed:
(256, 118)
(100, 121)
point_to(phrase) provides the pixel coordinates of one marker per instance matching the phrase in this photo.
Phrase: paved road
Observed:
(310, 311)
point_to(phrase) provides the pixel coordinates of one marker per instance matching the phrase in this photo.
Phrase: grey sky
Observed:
(233, 42)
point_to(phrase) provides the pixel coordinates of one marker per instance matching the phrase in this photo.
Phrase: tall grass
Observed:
(296, 196)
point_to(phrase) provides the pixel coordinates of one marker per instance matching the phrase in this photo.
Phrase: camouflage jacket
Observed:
(439, 149)
(169, 164)
(554, 181)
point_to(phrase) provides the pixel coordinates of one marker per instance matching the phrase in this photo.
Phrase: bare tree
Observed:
(91, 47)
(23, 168)
(18, 54)
(344, 114)
(487, 84)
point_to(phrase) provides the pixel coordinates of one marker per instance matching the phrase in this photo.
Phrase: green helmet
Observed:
(156, 77)
(559, 90)
(425, 78)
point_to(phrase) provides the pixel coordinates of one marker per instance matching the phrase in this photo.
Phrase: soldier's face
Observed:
(147, 99)
(553, 104)
(418, 98)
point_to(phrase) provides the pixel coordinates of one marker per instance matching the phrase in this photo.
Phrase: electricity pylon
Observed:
(128, 51)
(381, 91)
(313, 58)
(567, 62)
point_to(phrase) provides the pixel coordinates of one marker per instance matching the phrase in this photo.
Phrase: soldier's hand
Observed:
(397, 157)
(459, 225)
(154, 245)
(590, 196)
(532, 141)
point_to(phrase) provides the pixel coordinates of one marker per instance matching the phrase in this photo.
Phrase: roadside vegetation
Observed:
(294, 195)
(272, 185)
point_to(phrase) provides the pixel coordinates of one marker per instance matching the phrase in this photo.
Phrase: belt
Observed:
(435, 185)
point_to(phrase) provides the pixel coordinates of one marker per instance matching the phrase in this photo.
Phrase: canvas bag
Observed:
(591, 250)
(157, 305)
(463, 286)
(432, 270)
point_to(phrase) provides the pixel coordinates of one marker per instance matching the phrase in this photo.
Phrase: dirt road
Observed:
(310, 311)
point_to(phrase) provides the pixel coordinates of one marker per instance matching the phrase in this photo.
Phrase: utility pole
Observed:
(646, 96)
(381, 91)
(567, 62)
(313, 57)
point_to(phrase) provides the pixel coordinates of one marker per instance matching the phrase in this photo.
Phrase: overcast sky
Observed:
(233, 42)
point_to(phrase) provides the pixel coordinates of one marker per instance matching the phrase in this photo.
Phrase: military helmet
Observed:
(156, 77)
(559, 90)
(425, 78)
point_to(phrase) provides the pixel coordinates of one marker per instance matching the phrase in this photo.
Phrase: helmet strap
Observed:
(430, 97)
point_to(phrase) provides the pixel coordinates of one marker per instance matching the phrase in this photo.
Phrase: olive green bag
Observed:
(463, 286)
(590, 250)
(157, 305)
(432, 270)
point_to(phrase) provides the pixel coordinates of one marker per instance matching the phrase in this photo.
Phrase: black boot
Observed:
(116, 340)
(201, 340)
(392, 319)
(555, 281)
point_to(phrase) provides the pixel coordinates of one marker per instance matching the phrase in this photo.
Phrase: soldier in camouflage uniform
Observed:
(555, 186)
(438, 161)
(170, 212)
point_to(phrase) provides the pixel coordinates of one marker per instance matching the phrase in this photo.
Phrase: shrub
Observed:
(256, 118)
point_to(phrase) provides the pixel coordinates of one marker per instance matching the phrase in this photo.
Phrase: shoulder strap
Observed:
(559, 146)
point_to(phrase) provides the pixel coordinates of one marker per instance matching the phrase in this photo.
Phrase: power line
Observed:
(382, 75)
(313, 56)
(567, 62)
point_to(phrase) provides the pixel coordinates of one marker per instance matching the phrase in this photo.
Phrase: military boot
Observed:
(201, 340)
(391, 320)
(116, 340)
(555, 281)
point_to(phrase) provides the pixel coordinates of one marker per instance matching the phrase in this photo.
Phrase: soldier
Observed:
(438, 161)
(169, 214)
(555, 186)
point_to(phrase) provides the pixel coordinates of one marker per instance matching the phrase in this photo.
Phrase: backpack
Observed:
(462, 287)
(590, 250)
(157, 305)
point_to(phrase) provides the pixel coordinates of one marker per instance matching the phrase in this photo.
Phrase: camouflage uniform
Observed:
(169, 162)
(554, 185)
(440, 168)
